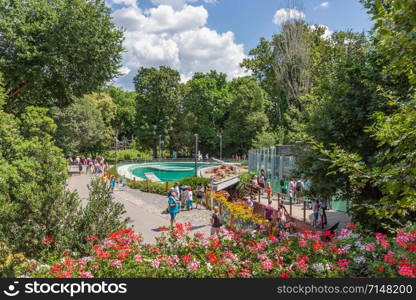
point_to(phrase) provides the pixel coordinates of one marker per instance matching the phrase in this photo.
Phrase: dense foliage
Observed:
(53, 50)
(237, 254)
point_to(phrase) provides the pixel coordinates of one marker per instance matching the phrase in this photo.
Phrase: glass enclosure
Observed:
(279, 162)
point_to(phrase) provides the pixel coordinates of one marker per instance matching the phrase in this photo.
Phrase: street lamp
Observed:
(196, 154)
(160, 146)
(220, 136)
(116, 142)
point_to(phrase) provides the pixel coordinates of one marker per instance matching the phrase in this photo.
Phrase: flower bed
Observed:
(237, 254)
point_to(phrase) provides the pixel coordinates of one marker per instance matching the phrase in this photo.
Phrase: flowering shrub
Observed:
(240, 211)
(238, 254)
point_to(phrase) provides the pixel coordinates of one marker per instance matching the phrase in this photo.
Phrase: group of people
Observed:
(319, 208)
(178, 199)
(294, 187)
(91, 166)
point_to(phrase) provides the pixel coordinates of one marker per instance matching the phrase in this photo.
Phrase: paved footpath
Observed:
(145, 210)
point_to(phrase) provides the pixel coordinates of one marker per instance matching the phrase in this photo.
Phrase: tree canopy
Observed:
(54, 50)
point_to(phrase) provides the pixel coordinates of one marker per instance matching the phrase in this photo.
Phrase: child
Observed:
(189, 199)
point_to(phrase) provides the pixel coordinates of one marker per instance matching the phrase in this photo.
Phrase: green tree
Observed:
(209, 101)
(158, 92)
(52, 50)
(86, 125)
(395, 36)
(247, 117)
(124, 120)
(392, 172)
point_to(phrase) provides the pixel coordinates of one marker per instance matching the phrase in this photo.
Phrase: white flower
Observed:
(359, 259)
(319, 267)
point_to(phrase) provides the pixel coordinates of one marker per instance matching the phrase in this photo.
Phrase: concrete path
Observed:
(145, 210)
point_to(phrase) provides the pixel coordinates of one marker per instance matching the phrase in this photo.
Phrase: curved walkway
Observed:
(145, 210)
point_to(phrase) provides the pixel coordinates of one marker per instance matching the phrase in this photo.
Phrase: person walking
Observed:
(269, 191)
(324, 207)
(80, 167)
(112, 182)
(215, 222)
(261, 180)
(173, 207)
(315, 209)
(200, 194)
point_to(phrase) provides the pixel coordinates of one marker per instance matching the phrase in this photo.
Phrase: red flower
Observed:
(155, 250)
(212, 257)
(317, 246)
(380, 269)
(411, 247)
(48, 240)
(284, 275)
(389, 258)
(343, 262)
(163, 228)
(92, 238)
(103, 254)
(404, 263)
(56, 269)
(351, 226)
(65, 275)
(186, 258)
(245, 273)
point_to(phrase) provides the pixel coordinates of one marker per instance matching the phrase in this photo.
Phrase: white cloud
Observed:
(323, 5)
(285, 14)
(327, 33)
(132, 3)
(176, 38)
(178, 4)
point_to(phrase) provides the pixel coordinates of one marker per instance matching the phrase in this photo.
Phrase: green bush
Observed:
(194, 182)
(148, 186)
(127, 154)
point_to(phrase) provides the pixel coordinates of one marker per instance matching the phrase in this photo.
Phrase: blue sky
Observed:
(199, 35)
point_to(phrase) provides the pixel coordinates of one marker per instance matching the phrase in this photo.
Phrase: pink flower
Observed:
(406, 271)
(302, 243)
(283, 249)
(85, 274)
(245, 273)
(302, 265)
(138, 258)
(369, 247)
(345, 232)
(155, 263)
(193, 265)
(343, 262)
(267, 264)
(115, 263)
(173, 260)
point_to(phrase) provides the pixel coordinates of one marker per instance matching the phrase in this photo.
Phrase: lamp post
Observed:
(196, 154)
(220, 136)
(116, 142)
(160, 146)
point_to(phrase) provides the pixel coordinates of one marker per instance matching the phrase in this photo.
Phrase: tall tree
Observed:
(52, 50)
(209, 101)
(86, 125)
(247, 117)
(124, 119)
(157, 105)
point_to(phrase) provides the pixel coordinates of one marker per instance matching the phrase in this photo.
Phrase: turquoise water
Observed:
(168, 171)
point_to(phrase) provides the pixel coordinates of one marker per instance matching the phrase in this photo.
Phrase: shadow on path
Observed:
(161, 229)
